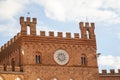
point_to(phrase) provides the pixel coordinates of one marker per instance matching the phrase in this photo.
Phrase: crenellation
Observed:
(81, 24)
(34, 20)
(87, 24)
(28, 23)
(104, 71)
(18, 34)
(42, 33)
(5, 46)
(28, 20)
(76, 35)
(51, 33)
(59, 34)
(9, 43)
(40, 59)
(12, 40)
(15, 38)
(93, 25)
(2, 48)
(21, 19)
(112, 71)
(68, 35)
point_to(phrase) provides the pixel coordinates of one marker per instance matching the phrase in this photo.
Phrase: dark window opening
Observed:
(13, 64)
(88, 34)
(38, 59)
(5, 67)
(83, 60)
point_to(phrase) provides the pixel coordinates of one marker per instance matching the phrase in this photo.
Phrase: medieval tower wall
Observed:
(29, 56)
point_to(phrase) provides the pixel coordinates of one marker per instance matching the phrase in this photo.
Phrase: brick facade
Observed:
(31, 56)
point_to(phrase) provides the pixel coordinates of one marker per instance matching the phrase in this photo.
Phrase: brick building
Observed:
(40, 57)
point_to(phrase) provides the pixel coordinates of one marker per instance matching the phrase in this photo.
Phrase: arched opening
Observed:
(1, 78)
(18, 78)
(83, 60)
(54, 79)
(28, 30)
(38, 79)
(38, 58)
(88, 34)
(70, 79)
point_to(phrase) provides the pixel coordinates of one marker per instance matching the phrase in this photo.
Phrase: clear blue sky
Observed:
(64, 15)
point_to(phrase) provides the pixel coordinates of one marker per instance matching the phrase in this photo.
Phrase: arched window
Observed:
(54, 79)
(18, 78)
(28, 30)
(83, 59)
(38, 59)
(70, 79)
(38, 79)
(88, 34)
(1, 78)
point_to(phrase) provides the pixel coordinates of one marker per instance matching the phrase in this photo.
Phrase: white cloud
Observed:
(62, 10)
(110, 61)
(118, 34)
(10, 8)
(10, 28)
(99, 10)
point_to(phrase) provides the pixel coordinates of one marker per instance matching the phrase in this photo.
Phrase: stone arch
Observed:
(1, 77)
(18, 78)
(54, 78)
(38, 78)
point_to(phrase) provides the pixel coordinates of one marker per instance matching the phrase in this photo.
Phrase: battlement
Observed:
(9, 68)
(28, 20)
(87, 31)
(28, 23)
(11, 41)
(86, 24)
(60, 34)
(112, 72)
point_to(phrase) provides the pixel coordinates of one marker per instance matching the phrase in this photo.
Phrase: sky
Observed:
(64, 16)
